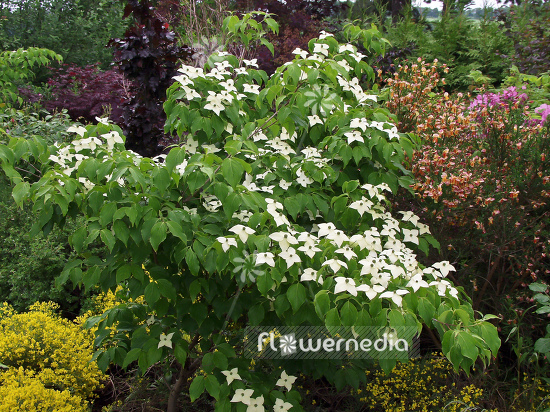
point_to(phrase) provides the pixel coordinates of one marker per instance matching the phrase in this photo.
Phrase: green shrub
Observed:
(460, 43)
(27, 122)
(29, 265)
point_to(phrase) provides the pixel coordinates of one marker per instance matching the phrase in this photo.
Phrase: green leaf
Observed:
(296, 295)
(542, 345)
(212, 386)
(20, 192)
(107, 213)
(192, 261)
(108, 238)
(348, 314)
(197, 387)
(152, 293)
(232, 171)
(131, 356)
(322, 303)
(538, 287)
(158, 234)
(426, 310)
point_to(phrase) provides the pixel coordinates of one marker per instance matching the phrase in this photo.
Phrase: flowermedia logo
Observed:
(317, 342)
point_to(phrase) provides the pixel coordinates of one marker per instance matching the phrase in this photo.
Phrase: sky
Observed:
(476, 4)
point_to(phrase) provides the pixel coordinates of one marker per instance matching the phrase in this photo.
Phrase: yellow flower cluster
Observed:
(22, 391)
(417, 386)
(41, 346)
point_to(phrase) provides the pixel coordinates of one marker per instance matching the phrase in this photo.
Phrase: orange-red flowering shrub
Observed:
(482, 180)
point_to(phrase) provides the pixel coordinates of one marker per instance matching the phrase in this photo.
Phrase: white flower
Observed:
(359, 123)
(253, 62)
(409, 216)
(251, 88)
(290, 256)
(417, 282)
(422, 228)
(395, 296)
(325, 229)
(242, 395)
(345, 285)
(78, 130)
(257, 404)
(102, 120)
(338, 237)
(309, 250)
(226, 243)
(410, 236)
(313, 120)
(321, 48)
(90, 143)
(346, 47)
(362, 205)
(354, 136)
(191, 145)
(381, 278)
(323, 34)
(231, 375)
(190, 93)
(229, 85)
(266, 257)
(214, 102)
(300, 52)
(335, 264)
(165, 340)
(210, 148)
(371, 265)
(371, 291)
(443, 286)
(112, 138)
(310, 274)
(87, 184)
(444, 267)
(286, 380)
(281, 406)
(242, 231)
(283, 184)
(273, 204)
(284, 239)
(347, 252)
(259, 136)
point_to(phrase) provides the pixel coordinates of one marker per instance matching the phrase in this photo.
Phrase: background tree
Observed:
(78, 30)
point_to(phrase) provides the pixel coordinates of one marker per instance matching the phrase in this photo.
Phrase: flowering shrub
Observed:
(21, 390)
(52, 351)
(482, 179)
(290, 174)
(418, 386)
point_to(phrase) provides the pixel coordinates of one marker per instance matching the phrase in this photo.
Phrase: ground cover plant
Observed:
(272, 210)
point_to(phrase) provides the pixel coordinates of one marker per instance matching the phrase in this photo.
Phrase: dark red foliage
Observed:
(531, 40)
(86, 92)
(148, 55)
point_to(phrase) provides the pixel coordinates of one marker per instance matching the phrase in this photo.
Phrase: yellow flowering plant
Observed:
(271, 211)
(51, 350)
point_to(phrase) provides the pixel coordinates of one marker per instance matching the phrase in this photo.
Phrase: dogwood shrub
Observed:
(271, 211)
